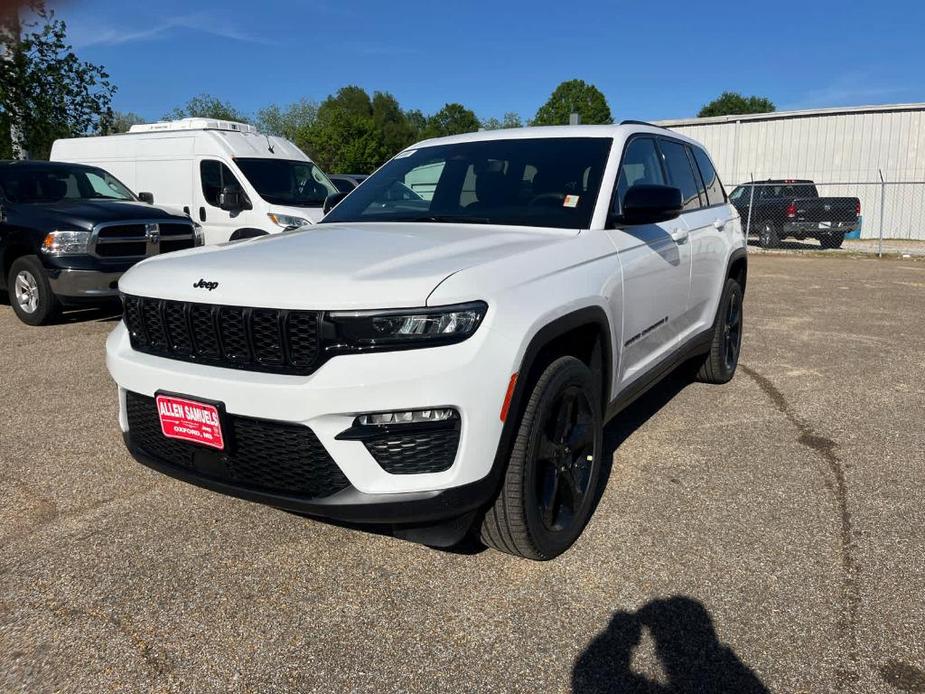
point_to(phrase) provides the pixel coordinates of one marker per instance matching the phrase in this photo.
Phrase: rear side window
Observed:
(641, 164)
(215, 176)
(680, 173)
(715, 193)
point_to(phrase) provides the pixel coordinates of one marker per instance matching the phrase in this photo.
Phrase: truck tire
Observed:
(768, 236)
(550, 488)
(719, 365)
(833, 241)
(30, 293)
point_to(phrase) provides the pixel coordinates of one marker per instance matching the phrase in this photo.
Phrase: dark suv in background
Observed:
(68, 232)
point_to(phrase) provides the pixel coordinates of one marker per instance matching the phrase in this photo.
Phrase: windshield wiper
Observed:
(443, 218)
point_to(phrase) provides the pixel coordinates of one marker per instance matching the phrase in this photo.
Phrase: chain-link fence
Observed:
(793, 212)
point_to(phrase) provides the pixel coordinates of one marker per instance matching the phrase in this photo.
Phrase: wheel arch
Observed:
(8, 256)
(247, 233)
(737, 267)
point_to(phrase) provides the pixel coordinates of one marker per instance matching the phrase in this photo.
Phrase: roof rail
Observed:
(642, 122)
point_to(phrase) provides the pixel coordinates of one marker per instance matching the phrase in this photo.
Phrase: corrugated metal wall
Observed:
(832, 148)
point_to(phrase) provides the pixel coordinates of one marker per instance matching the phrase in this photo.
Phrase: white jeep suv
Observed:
(440, 359)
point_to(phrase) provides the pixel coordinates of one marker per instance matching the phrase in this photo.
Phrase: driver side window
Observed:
(215, 176)
(641, 164)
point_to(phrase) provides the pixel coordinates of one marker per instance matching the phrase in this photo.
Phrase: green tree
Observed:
(452, 119)
(291, 122)
(207, 106)
(417, 121)
(122, 121)
(734, 104)
(510, 120)
(574, 96)
(46, 91)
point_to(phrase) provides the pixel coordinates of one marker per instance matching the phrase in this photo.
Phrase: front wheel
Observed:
(30, 293)
(551, 484)
(719, 365)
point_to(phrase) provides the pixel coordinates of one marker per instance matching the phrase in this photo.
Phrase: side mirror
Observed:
(646, 203)
(231, 199)
(146, 197)
(331, 201)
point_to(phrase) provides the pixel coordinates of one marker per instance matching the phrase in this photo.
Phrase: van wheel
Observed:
(551, 484)
(719, 365)
(30, 293)
(768, 236)
(833, 241)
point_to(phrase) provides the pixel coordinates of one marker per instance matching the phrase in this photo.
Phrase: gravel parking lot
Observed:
(767, 535)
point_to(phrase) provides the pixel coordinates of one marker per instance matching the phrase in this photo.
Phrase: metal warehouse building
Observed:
(875, 153)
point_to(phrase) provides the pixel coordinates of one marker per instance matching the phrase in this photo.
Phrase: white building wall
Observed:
(843, 150)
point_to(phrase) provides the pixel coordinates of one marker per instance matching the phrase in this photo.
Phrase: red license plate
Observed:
(188, 420)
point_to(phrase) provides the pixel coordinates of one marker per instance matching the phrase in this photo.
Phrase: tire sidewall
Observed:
(732, 288)
(47, 302)
(569, 372)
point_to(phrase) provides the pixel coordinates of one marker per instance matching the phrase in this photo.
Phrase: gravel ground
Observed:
(901, 248)
(762, 536)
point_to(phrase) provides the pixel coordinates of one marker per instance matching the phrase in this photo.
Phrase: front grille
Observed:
(256, 339)
(259, 454)
(130, 240)
(415, 453)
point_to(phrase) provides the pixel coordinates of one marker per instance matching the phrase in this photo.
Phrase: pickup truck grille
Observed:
(255, 339)
(141, 239)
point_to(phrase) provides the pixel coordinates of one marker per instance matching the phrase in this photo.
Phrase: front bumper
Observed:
(84, 284)
(471, 377)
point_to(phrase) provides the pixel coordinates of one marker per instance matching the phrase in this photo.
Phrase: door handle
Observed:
(202, 214)
(679, 235)
(719, 224)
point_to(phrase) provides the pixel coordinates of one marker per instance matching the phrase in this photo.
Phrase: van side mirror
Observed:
(231, 199)
(146, 197)
(331, 201)
(646, 203)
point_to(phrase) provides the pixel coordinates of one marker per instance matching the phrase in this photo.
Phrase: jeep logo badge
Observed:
(202, 284)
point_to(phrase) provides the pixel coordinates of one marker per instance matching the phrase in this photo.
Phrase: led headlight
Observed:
(287, 221)
(66, 243)
(408, 327)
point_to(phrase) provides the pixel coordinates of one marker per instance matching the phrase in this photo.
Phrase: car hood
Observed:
(84, 214)
(332, 266)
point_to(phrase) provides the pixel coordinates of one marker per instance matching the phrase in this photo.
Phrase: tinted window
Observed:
(344, 185)
(715, 193)
(537, 181)
(36, 184)
(215, 176)
(787, 190)
(641, 164)
(680, 174)
(282, 182)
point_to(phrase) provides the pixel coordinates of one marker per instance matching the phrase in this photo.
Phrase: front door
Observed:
(217, 224)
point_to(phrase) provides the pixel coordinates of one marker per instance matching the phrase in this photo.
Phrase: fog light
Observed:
(407, 417)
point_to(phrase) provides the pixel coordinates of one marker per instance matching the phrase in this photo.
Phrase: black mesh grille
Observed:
(271, 340)
(130, 240)
(416, 453)
(259, 454)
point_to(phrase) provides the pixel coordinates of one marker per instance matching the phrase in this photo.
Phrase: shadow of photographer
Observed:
(686, 644)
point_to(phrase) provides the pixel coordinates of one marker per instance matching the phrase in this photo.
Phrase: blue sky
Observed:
(652, 60)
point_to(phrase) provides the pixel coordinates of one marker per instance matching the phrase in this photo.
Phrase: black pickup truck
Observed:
(68, 232)
(782, 209)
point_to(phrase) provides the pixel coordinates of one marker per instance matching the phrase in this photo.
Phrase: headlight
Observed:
(66, 243)
(286, 221)
(424, 327)
(199, 238)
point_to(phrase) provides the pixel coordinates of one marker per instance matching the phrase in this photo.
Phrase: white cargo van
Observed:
(232, 180)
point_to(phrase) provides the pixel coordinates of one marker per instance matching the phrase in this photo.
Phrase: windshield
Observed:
(547, 182)
(37, 184)
(284, 182)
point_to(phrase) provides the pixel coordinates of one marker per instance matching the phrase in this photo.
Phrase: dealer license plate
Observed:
(188, 420)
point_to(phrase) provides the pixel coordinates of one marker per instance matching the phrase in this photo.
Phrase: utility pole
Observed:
(7, 53)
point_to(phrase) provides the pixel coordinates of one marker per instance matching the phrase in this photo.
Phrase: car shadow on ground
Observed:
(107, 313)
(688, 649)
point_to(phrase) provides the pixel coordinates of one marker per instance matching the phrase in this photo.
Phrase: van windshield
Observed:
(29, 183)
(533, 181)
(287, 182)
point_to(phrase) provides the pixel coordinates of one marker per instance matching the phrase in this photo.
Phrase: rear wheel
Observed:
(30, 293)
(833, 241)
(551, 484)
(768, 237)
(719, 365)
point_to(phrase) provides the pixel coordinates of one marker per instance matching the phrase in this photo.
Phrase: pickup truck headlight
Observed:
(405, 328)
(199, 238)
(287, 221)
(66, 243)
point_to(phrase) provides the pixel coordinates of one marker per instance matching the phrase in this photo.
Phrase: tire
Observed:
(719, 365)
(833, 241)
(30, 293)
(550, 487)
(768, 237)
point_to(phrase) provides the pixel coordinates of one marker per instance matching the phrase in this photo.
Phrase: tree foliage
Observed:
(734, 104)
(291, 122)
(121, 122)
(574, 96)
(44, 87)
(452, 119)
(510, 120)
(207, 106)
